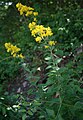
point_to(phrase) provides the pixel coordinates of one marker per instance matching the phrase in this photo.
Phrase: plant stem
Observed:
(5, 59)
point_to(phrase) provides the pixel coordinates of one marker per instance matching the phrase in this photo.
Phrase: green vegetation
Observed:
(41, 54)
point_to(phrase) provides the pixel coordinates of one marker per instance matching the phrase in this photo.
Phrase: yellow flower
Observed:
(29, 13)
(38, 31)
(35, 13)
(32, 25)
(34, 32)
(8, 46)
(38, 39)
(51, 43)
(14, 55)
(21, 12)
(30, 8)
(35, 19)
(13, 49)
(21, 56)
(18, 5)
(49, 32)
(46, 46)
(23, 9)
(55, 42)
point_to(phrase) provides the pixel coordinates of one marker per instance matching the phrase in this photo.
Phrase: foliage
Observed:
(58, 94)
(61, 96)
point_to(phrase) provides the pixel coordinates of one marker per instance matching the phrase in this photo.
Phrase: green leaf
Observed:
(50, 112)
(58, 60)
(78, 105)
(49, 67)
(48, 58)
(36, 103)
(24, 117)
(22, 110)
(41, 117)
(3, 110)
(60, 117)
(30, 112)
(60, 52)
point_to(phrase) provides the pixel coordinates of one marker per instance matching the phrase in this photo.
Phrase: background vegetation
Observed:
(54, 75)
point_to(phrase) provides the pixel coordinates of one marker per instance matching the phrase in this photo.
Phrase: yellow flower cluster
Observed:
(50, 43)
(39, 31)
(27, 11)
(14, 50)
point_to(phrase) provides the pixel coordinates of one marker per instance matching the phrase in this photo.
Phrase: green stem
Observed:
(5, 58)
(59, 107)
(52, 57)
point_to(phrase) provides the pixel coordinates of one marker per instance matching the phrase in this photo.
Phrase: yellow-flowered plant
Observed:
(27, 11)
(13, 50)
(39, 32)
